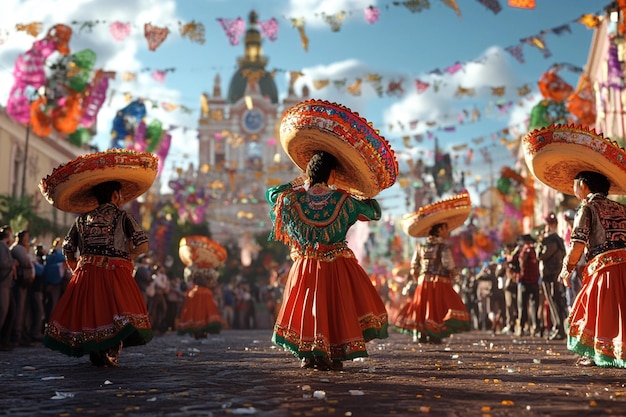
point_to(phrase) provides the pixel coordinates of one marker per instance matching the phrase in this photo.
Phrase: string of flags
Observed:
(234, 29)
(395, 87)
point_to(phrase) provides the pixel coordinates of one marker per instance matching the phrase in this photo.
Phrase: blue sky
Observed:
(401, 46)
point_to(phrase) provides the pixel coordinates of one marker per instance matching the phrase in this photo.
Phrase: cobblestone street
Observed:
(240, 372)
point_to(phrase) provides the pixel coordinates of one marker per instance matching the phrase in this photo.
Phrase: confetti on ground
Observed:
(241, 411)
(319, 394)
(58, 395)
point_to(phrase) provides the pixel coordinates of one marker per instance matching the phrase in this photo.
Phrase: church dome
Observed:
(239, 81)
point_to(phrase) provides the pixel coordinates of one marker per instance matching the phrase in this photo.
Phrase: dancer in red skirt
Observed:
(200, 315)
(575, 160)
(434, 310)
(330, 308)
(102, 308)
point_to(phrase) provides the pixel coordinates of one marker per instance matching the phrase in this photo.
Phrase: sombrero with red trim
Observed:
(453, 211)
(201, 252)
(557, 153)
(366, 163)
(68, 187)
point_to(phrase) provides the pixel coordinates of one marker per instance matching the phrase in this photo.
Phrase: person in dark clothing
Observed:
(54, 273)
(527, 287)
(551, 252)
(143, 274)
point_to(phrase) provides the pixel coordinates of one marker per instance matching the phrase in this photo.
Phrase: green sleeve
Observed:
(271, 195)
(367, 209)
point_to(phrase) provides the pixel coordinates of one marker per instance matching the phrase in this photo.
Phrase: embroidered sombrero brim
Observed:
(367, 164)
(201, 252)
(556, 154)
(453, 211)
(68, 187)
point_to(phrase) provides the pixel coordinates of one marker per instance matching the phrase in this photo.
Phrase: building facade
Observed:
(25, 159)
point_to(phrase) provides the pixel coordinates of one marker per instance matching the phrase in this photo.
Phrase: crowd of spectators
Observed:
(510, 293)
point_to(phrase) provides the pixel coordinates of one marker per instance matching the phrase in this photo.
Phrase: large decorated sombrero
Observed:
(68, 187)
(367, 164)
(201, 252)
(556, 154)
(453, 211)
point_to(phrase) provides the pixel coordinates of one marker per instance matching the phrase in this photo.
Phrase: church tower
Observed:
(240, 155)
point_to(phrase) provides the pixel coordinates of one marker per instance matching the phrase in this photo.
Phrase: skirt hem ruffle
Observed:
(368, 335)
(600, 359)
(129, 335)
(450, 327)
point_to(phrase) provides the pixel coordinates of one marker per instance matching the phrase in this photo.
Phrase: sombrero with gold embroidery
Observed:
(557, 153)
(453, 211)
(68, 187)
(201, 252)
(366, 163)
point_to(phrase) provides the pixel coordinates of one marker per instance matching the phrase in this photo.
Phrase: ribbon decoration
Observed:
(234, 29)
(372, 14)
(522, 4)
(192, 30)
(155, 35)
(299, 24)
(119, 30)
(335, 20)
(269, 29)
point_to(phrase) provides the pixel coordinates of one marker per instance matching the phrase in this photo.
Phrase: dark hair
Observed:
(597, 183)
(21, 234)
(104, 191)
(320, 166)
(434, 230)
(5, 231)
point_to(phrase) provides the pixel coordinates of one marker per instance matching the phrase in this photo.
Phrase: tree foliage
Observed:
(20, 214)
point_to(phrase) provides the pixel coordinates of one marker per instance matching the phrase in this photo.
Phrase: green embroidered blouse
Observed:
(306, 219)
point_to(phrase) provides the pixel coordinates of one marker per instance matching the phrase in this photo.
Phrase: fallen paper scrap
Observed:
(50, 378)
(58, 395)
(356, 392)
(247, 410)
(319, 394)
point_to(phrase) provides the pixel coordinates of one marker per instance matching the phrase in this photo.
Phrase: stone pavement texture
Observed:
(240, 372)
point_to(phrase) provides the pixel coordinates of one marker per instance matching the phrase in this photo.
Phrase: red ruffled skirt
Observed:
(597, 328)
(101, 307)
(330, 309)
(200, 314)
(436, 310)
